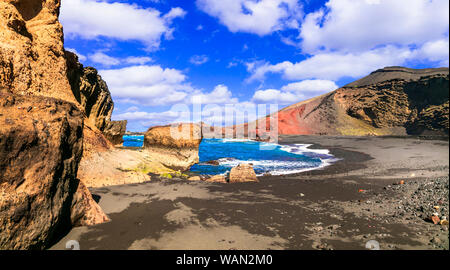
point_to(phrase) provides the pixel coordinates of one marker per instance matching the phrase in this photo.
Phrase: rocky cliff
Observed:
(40, 148)
(92, 93)
(174, 146)
(42, 131)
(390, 101)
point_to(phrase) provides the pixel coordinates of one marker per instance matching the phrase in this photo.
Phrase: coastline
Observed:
(318, 209)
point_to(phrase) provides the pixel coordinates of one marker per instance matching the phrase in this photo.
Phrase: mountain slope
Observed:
(389, 101)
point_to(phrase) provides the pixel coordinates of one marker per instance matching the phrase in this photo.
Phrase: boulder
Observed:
(217, 179)
(242, 173)
(174, 146)
(41, 142)
(115, 130)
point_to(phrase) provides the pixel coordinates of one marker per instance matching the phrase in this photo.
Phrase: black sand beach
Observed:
(341, 206)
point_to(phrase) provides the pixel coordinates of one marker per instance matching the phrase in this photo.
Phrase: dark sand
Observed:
(320, 209)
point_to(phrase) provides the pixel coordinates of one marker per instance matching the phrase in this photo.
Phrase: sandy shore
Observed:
(342, 206)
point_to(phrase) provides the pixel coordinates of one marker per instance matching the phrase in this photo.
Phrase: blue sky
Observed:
(155, 54)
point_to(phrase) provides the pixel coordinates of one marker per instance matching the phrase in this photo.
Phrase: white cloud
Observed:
(198, 59)
(104, 59)
(294, 92)
(311, 86)
(436, 51)
(147, 85)
(108, 61)
(91, 19)
(220, 95)
(333, 66)
(351, 26)
(275, 96)
(257, 17)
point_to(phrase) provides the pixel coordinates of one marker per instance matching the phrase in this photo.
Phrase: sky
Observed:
(170, 61)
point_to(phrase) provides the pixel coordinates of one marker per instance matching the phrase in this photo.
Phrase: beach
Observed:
(342, 206)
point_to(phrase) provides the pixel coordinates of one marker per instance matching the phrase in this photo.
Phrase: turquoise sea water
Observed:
(133, 140)
(265, 157)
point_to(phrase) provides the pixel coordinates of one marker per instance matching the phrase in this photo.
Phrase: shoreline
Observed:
(318, 209)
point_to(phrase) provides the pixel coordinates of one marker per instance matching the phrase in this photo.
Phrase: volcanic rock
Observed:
(40, 149)
(242, 173)
(174, 146)
(115, 130)
(217, 179)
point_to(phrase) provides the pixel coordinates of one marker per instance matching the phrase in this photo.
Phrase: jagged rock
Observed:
(390, 101)
(40, 148)
(32, 59)
(175, 147)
(242, 173)
(115, 130)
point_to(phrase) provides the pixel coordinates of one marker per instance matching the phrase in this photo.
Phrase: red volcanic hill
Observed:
(389, 101)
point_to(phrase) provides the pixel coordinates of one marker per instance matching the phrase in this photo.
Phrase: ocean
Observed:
(266, 157)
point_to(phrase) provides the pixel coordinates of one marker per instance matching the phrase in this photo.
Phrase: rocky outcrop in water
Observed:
(390, 101)
(41, 143)
(175, 146)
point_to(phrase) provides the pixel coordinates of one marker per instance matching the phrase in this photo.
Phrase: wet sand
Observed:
(341, 206)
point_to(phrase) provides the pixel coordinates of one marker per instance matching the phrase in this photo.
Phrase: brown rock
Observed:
(242, 173)
(85, 211)
(115, 130)
(194, 178)
(39, 154)
(217, 179)
(174, 146)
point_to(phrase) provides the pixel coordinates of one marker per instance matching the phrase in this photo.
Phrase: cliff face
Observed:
(32, 60)
(92, 93)
(41, 131)
(40, 148)
(390, 101)
(174, 147)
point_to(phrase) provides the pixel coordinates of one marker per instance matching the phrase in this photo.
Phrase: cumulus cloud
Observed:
(274, 96)
(198, 59)
(147, 85)
(335, 65)
(108, 61)
(294, 92)
(350, 26)
(257, 17)
(220, 95)
(90, 19)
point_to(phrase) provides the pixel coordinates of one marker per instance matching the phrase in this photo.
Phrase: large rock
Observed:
(115, 130)
(389, 101)
(242, 173)
(41, 142)
(32, 59)
(174, 146)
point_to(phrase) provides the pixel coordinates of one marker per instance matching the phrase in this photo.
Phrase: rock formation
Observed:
(92, 93)
(390, 101)
(41, 142)
(174, 146)
(41, 131)
(242, 173)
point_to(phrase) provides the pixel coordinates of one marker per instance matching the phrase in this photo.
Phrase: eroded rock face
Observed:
(390, 101)
(175, 147)
(242, 173)
(41, 142)
(32, 59)
(115, 130)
